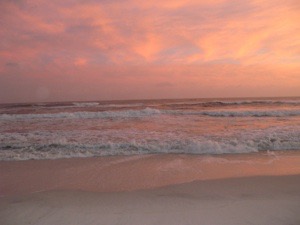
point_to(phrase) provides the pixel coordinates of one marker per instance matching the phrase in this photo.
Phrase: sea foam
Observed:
(152, 112)
(88, 129)
(85, 104)
(84, 114)
(236, 103)
(47, 145)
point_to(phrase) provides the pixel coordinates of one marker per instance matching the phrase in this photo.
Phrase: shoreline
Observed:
(256, 189)
(126, 173)
(260, 152)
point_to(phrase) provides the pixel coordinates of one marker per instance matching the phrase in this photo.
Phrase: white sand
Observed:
(82, 191)
(256, 200)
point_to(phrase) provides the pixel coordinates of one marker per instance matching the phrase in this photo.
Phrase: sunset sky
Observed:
(110, 49)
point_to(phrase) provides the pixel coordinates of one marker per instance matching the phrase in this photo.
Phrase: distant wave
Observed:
(72, 105)
(85, 104)
(232, 103)
(152, 112)
(249, 113)
(85, 115)
(89, 105)
(121, 105)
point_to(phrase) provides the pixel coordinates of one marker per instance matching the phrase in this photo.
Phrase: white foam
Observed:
(151, 112)
(237, 102)
(120, 105)
(97, 104)
(237, 113)
(268, 102)
(52, 146)
(251, 113)
(85, 104)
(70, 150)
(85, 115)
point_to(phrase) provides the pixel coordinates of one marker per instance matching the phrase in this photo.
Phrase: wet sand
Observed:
(260, 188)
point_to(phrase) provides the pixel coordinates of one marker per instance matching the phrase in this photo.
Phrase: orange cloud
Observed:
(253, 35)
(149, 47)
(214, 45)
(80, 62)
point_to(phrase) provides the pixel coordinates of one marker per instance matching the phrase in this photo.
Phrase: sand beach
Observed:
(257, 188)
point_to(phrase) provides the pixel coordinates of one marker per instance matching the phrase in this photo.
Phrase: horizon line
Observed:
(146, 99)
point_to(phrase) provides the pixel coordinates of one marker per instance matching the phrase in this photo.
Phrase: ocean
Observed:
(183, 126)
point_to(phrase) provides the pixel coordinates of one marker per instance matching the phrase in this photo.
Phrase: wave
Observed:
(88, 105)
(70, 105)
(249, 113)
(85, 115)
(46, 144)
(96, 105)
(233, 103)
(62, 148)
(121, 105)
(85, 104)
(172, 103)
(151, 112)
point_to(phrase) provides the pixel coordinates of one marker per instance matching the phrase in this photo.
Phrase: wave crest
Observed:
(151, 112)
(85, 115)
(62, 148)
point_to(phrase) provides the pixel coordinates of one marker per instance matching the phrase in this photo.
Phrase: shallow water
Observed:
(191, 126)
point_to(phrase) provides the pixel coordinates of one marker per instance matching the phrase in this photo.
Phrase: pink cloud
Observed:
(127, 44)
(80, 62)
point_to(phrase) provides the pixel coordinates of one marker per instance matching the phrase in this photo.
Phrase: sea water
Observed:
(188, 126)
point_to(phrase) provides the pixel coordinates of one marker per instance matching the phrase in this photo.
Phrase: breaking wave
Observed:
(233, 103)
(61, 148)
(85, 104)
(85, 115)
(152, 112)
(250, 113)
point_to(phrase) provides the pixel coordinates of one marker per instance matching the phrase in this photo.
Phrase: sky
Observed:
(132, 49)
